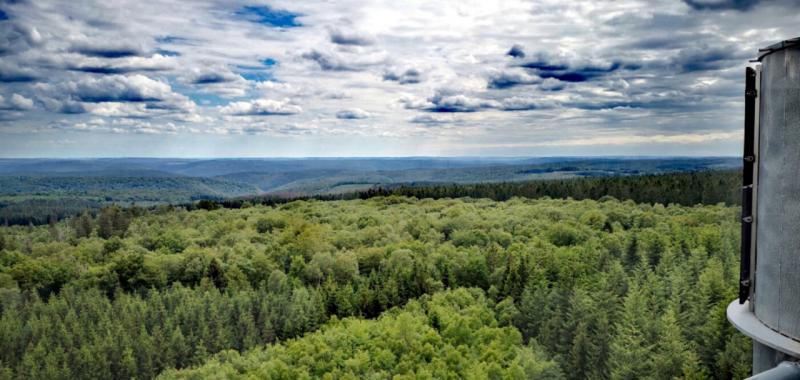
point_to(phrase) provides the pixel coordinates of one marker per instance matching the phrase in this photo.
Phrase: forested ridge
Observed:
(69, 196)
(39, 199)
(706, 187)
(44, 211)
(540, 288)
(703, 187)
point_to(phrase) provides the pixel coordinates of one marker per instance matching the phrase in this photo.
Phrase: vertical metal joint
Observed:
(748, 161)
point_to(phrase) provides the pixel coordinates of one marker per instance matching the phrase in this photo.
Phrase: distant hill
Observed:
(684, 188)
(312, 182)
(36, 190)
(160, 188)
(223, 166)
(39, 198)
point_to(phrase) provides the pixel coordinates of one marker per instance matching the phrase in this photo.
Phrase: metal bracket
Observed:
(749, 168)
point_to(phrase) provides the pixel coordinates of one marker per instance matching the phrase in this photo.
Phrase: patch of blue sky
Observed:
(269, 63)
(207, 99)
(167, 53)
(175, 40)
(258, 76)
(202, 98)
(258, 73)
(269, 16)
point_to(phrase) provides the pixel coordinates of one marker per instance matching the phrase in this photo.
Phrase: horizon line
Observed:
(351, 157)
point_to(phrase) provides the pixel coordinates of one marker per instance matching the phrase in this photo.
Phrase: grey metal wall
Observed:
(777, 285)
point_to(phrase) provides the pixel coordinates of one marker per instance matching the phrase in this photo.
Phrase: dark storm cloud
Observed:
(329, 62)
(11, 73)
(705, 58)
(516, 51)
(578, 73)
(341, 37)
(102, 65)
(552, 84)
(739, 5)
(408, 76)
(159, 105)
(544, 66)
(101, 69)
(168, 53)
(173, 40)
(16, 37)
(69, 107)
(508, 79)
(112, 68)
(457, 103)
(90, 49)
(208, 78)
(91, 96)
(352, 114)
(448, 101)
(603, 105)
(96, 93)
(219, 80)
(214, 75)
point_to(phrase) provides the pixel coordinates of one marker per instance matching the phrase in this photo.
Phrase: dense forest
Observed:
(39, 191)
(120, 188)
(708, 187)
(40, 199)
(44, 211)
(375, 288)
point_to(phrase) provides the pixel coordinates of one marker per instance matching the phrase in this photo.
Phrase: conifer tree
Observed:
(83, 225)
(671, 353)
(632, 347)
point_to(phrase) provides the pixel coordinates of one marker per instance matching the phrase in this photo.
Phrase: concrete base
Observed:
(770, 348)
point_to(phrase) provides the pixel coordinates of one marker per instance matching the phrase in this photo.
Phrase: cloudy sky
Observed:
(379, 78)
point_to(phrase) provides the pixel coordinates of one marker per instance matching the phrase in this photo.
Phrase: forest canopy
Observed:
(686, 188)
(546, 287)
(453, 334)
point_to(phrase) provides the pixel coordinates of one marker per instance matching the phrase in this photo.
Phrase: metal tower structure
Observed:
(768, 308)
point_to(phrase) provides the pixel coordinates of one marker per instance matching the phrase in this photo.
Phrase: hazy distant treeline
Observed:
(705, 187)
(43, 211)
(708, 187)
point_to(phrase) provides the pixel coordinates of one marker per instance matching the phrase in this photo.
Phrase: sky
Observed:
(379, 78)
